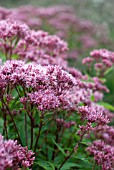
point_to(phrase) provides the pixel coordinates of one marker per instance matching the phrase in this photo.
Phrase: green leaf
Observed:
(1, 125)
(37, 118)
(3, 57)
(68, 166)
(92, 98)
(109, 70)
(59, 147)
(14, 56)
(106, 105)
(52, 166)
(83, 160)
(45, 164)
(85, 142)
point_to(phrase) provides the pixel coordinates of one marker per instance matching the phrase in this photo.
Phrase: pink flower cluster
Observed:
(13, 155)
(103, 154)
(4, 13)
(10, 34)
(9, 29)
(93, 114)
(85, 89)
(49, 83)
(18, 40)
(42, 48)
(85, 129)
(87, 34)
(103, 59)
(105, 133)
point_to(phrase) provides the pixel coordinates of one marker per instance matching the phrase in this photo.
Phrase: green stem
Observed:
(94, 165)
(55, 147)
(32, 126)
(66, 159)
(26, 130)
(38, 136)
(12, 120)
(46, 134)
(76, 147)
(39, 132)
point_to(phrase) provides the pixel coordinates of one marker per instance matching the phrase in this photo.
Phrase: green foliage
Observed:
(106, 105)
(45, 165)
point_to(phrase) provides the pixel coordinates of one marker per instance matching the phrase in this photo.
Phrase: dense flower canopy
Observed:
(46, 105)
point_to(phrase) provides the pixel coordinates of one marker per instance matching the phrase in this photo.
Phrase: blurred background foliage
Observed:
(97, 10)
(100, 11)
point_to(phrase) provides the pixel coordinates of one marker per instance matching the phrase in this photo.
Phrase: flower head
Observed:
(12, 155)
